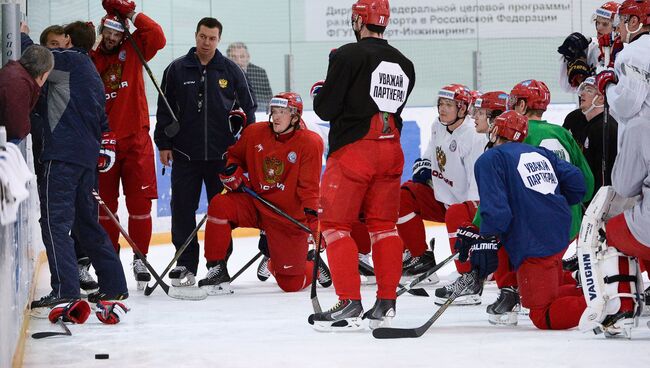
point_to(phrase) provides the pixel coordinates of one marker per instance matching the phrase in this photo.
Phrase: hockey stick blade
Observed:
(401, 333)
(42, 335)
(187, 293)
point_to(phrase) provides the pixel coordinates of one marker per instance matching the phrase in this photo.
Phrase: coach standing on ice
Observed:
(367, 85)
(202, 87)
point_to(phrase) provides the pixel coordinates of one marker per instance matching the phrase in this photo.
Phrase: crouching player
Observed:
(283, 161)
(515, 180)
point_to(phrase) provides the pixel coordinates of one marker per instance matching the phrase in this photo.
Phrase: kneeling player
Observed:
(515, 180)
(283, 162)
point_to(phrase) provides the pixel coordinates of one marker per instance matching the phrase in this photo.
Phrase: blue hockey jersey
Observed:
(525, 195)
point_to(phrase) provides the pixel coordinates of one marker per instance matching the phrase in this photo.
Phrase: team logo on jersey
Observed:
(223, 83)
(389, 86)
(292, 156)
(537, 173)
(259, 147)
(122, 55)
(112, 76)
(452, 146)
(273, 169)
(441, 157)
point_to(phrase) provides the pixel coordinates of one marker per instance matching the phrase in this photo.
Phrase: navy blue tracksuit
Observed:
(202, 96)
(71, 136)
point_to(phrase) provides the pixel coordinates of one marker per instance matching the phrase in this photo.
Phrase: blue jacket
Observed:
(201, 102)
(75, 110)
(525, 195)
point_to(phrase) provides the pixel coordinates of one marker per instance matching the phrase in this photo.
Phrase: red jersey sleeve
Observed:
(311, 164)
(149, 36)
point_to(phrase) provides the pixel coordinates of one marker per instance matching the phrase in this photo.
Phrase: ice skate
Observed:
(416, 266)
(140, 272)
(263, 272)
(471, 295)
(646, 297)
(367, 277)
(181, 276)
(217, 281)
(505, 309)
(324, 275)
(570, 264)
(345, 315)
(86, 281)
(41, 308)
(381, 314)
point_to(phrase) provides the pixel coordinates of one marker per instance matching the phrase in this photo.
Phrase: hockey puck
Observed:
(101, 356)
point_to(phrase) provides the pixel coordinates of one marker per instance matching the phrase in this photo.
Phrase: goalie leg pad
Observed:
(602, 271)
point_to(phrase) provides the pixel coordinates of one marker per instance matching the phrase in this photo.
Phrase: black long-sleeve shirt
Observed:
(363, 78)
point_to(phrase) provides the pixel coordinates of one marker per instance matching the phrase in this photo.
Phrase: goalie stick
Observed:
(42, 335)
(400, 333)
(185, 293)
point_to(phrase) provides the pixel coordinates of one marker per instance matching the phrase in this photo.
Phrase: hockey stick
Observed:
(426, 275)
(42, 335)
(314, 276)
(416, 292)
(400, 333)
(185, 293)
(245, 267)
(172, 129)
(148, 290)
(603, 169)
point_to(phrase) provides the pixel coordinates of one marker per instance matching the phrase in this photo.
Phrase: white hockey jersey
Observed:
(629, 99)
(452, 158)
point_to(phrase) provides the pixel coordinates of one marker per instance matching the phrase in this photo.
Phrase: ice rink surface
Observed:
(261, 326)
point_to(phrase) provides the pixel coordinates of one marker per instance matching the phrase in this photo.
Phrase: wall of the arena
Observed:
(20, 246)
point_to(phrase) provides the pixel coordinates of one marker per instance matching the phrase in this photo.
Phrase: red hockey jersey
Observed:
(284, 169)
(121, 72)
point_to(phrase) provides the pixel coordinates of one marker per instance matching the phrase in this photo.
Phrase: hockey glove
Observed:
(422, 171)
(316, 88)
(465, 236)
(119, 7)
(483, 255)
(232, 177)
(574, 47)
(237, 121)
(312, 223)
(603, 79)
(578, 71)
(76, 312)
(615, 44)
(106, 152)
(110, 312)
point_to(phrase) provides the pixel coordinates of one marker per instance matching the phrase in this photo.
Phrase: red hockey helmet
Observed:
(493, 100)
(291, 100)
(534, 92)
(112, 22)
(457, 92)
(638, 8)
(511, 125)
(607, 11)
(375, 12)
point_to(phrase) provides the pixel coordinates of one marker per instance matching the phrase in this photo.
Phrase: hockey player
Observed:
(531, 98)
(203, 87)
(71, 156)
(283, 162)
(486, 108)
(443, 188)
(614, 306)
(515, 180)
(128, 117)
(366, 88)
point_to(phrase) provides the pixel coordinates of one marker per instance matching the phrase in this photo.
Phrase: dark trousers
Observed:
(187, 179)
(68, 205)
